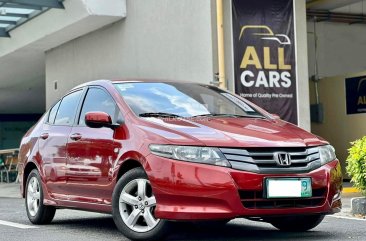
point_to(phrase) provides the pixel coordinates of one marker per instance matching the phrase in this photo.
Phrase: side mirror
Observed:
(276, 117)
(98, 119)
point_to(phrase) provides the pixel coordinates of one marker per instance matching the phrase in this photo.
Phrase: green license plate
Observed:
(288, 187)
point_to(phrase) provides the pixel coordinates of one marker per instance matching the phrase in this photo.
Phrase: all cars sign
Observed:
(356, 95)
(264, 55)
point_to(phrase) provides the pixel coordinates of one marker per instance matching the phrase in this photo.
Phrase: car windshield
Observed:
(150, 99)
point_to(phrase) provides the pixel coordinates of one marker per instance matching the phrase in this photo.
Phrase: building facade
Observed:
(122, 39)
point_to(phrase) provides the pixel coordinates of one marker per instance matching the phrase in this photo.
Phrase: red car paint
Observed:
(80, 166)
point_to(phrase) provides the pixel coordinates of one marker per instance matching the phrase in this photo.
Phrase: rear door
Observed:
(53, 141)
(92, 151)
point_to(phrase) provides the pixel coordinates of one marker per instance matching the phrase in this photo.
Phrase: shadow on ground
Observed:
(188, 231)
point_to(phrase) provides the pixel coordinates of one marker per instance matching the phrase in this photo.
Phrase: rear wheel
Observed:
(297, 223)
(37, 212)
(134, 206)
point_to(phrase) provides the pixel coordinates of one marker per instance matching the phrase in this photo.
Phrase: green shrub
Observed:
(356, 164)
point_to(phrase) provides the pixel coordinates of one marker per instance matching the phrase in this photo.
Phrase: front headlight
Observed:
(327, 154)
(205, 155)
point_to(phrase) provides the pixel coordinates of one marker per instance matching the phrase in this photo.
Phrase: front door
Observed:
(92, 152)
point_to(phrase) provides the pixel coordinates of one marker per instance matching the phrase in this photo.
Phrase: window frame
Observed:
(77, 107)
(58, 102)
(81, 104)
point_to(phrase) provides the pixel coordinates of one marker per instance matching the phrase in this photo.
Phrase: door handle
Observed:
(75, 136)
(44, 136)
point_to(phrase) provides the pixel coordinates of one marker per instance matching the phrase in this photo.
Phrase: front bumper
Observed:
(190, 191)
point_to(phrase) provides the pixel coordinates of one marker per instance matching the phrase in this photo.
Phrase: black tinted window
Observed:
(98, 100)
(67, 110)
(53, 112)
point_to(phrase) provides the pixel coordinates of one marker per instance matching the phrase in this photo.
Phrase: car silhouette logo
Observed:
(360, 84)
(267, 35)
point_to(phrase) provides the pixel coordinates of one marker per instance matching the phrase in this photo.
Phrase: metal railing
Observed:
(9, 165)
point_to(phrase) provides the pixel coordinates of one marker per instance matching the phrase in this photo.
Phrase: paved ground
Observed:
(9, 190)
(76, 225)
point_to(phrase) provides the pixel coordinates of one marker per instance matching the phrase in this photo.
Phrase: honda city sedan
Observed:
(156, 152)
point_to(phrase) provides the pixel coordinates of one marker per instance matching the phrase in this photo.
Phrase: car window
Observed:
(182, 99)
(217, 105)
(67, 110)
(98, 100)
(53, 112)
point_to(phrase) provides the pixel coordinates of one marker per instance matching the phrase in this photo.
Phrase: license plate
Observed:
(288, 187)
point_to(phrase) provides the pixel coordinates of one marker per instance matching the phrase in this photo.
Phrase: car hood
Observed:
(230, 132)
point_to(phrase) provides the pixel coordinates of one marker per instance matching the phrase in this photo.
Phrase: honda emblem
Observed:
(282, 159)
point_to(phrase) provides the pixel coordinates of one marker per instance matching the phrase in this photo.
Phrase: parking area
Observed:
(78, 225)
(182, 110)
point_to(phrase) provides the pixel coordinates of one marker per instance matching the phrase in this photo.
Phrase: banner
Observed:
(264, 55)
(356, 95)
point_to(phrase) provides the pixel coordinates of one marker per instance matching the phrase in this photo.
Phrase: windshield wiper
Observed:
(159, 114)
(230, 115)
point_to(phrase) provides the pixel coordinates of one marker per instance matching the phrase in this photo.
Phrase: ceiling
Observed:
(339, 11)
(329, 4)
(22, 80)
(22, 55)
(14, 13)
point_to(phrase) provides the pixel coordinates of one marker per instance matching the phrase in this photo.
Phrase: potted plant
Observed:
(356, 168)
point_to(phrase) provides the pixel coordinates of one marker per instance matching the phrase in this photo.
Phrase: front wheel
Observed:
(134, 206)
(297, 223)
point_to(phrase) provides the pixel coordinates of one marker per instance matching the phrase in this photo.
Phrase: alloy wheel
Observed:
(137, 205)
(33, 196)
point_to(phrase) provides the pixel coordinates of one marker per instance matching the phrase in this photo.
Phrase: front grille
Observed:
(256, 200)
(261, 160)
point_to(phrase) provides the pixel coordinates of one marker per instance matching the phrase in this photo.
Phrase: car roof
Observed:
(151, 81)
(103, 82)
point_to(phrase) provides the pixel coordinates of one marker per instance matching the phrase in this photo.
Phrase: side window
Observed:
(67, 110)
(53, 112)
(98, 100)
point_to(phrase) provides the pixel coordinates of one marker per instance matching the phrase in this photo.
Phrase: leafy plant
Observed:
(356, 164)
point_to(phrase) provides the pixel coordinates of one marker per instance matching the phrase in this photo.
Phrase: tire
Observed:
(37, 212)
(297, 223)
(133, 205)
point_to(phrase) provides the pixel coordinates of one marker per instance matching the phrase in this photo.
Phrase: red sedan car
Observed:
(152, 152)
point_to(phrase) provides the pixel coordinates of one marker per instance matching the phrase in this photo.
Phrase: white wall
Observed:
(159, 39)
(341, 48)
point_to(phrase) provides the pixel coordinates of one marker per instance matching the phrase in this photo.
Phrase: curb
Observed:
(350, 190)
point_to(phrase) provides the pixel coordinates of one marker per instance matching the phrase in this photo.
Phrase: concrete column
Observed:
(302, 65)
